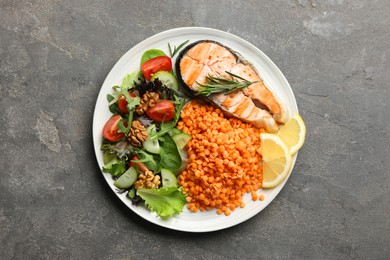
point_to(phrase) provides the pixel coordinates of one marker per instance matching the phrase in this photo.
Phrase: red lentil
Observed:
(223, 160)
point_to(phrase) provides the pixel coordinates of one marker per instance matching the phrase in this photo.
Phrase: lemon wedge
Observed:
(277, 159)
(293, 133)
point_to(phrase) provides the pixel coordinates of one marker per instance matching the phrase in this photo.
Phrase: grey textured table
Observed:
(54, 202)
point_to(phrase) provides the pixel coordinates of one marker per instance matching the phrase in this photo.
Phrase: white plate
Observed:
(273, 77)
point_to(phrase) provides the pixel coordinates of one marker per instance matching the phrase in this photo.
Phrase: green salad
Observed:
(142, 148)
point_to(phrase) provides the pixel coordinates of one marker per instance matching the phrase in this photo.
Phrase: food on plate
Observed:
(223, 160)
(293, 133)
(161, 63)
(257, 104)
(111, 129)
(277, 159)
(161, 111)
(139, 146)
(277, 150)
(202, 139)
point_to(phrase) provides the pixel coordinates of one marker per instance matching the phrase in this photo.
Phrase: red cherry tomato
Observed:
(162, 111)
(139, 165)
(110, 129)
(122, 102)
(162, 63)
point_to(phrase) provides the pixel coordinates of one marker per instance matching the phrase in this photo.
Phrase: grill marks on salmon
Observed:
(255, 104)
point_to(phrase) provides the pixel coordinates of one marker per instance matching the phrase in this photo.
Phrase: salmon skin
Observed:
(255, 104)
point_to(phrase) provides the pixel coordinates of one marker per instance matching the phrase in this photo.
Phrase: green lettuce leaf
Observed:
(128, 81)
(116, 166)
(165, 201)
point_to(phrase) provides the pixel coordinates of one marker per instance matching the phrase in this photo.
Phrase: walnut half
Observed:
(147, 180)
(137, 134)
(149, 99)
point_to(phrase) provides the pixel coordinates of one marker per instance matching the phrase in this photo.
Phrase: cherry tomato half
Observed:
(162, 63)
(162, 111)
(110, 129)
(122, 102)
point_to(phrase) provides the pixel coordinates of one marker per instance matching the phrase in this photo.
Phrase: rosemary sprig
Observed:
(176, 49)
(216, 85)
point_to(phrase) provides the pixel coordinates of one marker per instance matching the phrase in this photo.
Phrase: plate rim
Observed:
(152, 217)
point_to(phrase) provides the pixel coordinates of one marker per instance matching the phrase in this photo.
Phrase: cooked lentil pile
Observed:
(223, 160)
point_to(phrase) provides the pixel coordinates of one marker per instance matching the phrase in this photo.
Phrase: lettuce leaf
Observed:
(128, 81)
(116, 166)
(165, 201)
(121, 149)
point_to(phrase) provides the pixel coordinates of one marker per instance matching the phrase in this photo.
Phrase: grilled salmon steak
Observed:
(255, 104)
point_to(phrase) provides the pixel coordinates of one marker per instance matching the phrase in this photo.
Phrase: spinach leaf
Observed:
(170, 156)
(113, 105)
(150, 54)
(110, 98)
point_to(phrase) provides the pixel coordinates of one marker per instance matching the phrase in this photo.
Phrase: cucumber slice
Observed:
(107, 157)
(166, 78)
(181, 140)
(168, 178)
(151, 146)
(174, 131)
(184, 160)
(127, 179)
